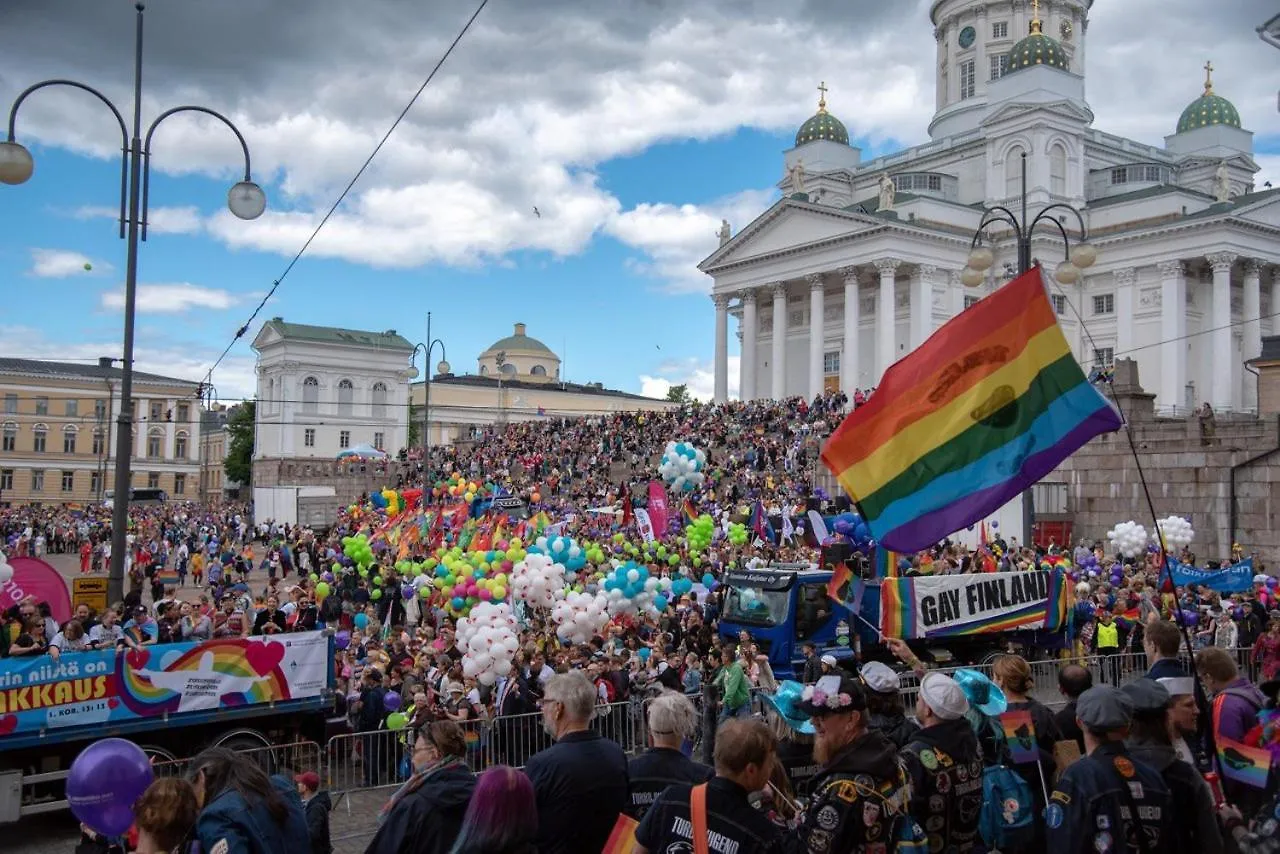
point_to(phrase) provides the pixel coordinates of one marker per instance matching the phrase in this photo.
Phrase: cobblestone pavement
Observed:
(351, 825)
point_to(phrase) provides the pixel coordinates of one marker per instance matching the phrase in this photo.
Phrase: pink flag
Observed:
(658, 508)
(34, 577)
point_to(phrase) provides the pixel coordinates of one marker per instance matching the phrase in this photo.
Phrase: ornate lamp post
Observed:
(442, 368)
(1078, 256)
(245, 199)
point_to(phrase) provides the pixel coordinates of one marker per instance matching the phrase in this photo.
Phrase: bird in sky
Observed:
(537, 212)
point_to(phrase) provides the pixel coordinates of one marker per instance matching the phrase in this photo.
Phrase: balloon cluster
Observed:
(700, 532)
(580, 616)
(488, 640)
(1128, 538)
(1176, 531)
(853, 526)
(681, 466)
(538, 581)
(387, 499)
(468, 579)
(632, 590)
(562, 550)
(737, 533)
(357, 548)
(458, 486)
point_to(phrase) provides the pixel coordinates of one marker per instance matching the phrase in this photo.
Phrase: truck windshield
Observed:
(756, 607)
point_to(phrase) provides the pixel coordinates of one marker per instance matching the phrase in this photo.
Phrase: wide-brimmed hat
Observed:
(833, 695)
(984, 695)
(786, 702)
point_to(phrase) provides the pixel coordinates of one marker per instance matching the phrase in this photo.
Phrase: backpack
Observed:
(1007, 816)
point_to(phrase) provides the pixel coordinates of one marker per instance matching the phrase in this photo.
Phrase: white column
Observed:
(1252, 327)
(1275, 301)
(886, 308)
(778, 390)
(817, 322)
(955, 292)
(922, 303)
(852, 316)
(1173, 331)
(1222, 345)
(981, 69)
(1124, 309)
(742, 363)
(750, 325)
(722, 348)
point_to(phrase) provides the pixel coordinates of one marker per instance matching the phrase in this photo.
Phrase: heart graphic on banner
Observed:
(137, 658)
(8, 724)
(113, 703)
(263, 657)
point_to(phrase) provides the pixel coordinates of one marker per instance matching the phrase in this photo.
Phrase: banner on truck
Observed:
(949, 605)
(113, 686)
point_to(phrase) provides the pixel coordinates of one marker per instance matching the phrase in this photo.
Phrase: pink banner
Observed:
(658, 508)
(34, 577)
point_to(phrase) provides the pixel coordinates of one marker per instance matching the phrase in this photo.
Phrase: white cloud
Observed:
(63, 263)
(698, 375)
(174, 220)
(172, 299)
(676, 237)
(234, 379)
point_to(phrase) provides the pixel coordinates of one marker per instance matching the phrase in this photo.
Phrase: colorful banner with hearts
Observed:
(87, 689)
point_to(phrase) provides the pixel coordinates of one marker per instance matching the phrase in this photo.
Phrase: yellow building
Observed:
(517, 379)
(215, 444)
(57, 432)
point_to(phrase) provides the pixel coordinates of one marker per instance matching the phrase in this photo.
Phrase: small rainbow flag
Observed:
(990, 404)
(689, 512)
(886, 563)
(1240, 762)
(1020, 734)
(167, 577)
(898, 609)
(623, 838)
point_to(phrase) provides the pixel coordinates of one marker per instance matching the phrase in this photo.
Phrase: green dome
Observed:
(1037, 49)
(822, 125)
(518, 342)
(1208, 109)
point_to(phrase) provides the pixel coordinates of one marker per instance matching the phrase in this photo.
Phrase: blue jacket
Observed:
(250, 828)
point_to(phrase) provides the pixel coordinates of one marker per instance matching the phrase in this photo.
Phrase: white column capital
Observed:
(1253, 267)
(887, 266)
(815, 281)
(1124, 277)
(779, 289)
(953, 279)
(1172, 269)
(1221, 261)
(850, 272)
(721, 301)
(928, 271)
(748, 295)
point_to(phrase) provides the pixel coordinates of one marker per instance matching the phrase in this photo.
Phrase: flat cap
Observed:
(1104, 708)
(1147, 695)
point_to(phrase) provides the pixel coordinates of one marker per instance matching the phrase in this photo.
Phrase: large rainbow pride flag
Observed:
(990, 404)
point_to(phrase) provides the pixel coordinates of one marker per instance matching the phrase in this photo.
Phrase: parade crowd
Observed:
(832, 761)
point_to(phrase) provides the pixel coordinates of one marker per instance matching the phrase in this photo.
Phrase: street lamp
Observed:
(246, 200)
(442, 368)
(1078, 257)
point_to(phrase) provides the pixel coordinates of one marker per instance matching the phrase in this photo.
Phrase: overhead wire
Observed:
(275, 285)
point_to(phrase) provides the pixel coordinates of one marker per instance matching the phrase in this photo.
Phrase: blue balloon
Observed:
(660, 602)
(708, 579)
(360, 621)
(643, 652)
(458, 602)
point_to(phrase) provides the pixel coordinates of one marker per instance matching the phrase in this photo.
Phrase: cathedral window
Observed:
(1104, 304)
(1000, 30)
(999, 65)
(967, 82)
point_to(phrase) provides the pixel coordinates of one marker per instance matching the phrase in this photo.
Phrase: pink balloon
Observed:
(507, 566)
(485, 595)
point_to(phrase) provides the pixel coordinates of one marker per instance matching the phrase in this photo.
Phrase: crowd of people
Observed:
(831, 762)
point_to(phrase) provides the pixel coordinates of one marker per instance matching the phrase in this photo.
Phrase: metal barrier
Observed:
(283, 759)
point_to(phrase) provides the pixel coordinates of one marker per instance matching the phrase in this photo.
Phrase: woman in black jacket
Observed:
(425, 815)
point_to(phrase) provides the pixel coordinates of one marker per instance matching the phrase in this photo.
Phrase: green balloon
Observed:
(376, 594)
(397, 720)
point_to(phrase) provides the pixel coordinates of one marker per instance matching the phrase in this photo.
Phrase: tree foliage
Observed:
(240, 427)
(679, 393)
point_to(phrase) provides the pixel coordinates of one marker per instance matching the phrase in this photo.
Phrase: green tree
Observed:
(679, 393)
(415, 425)
(240, 428)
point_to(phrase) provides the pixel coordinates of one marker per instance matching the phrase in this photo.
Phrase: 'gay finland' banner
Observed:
(1236, 578)
(949, 605)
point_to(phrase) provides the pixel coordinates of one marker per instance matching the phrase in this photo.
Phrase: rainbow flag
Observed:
(1240, 762)
(990, 404)
(1020, 734)
(886, 563)
(689, 512)
(167, 577)
(623, 838)
(898, 609)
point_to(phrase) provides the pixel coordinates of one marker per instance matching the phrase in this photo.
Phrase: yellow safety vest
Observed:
(1108, 636)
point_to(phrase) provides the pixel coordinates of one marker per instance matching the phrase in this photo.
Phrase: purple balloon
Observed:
(406, 591)
(327, 577)
(104, 782)
(342, 639)
(391, 701)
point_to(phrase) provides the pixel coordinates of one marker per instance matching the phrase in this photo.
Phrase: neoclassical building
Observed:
(859, 262)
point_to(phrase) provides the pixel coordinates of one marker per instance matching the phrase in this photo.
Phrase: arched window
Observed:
(180, 445)
(310, 394)
(1058, 170)
(155, 443)
(10, 437)
(508, 369)
(538, 371)
(484, 371)
(39, 438)
(1013, 172)
(99, 441)
(69, 439)
(379, 400)
(346, 394)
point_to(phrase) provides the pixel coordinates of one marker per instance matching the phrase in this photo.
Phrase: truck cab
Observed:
(784, 606)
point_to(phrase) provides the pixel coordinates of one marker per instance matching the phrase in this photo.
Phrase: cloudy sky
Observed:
(632, 126)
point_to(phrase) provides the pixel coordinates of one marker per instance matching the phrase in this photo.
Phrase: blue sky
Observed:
(630, 137)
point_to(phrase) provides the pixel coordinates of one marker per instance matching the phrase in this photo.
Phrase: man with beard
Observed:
(944, 764)
(859, 794)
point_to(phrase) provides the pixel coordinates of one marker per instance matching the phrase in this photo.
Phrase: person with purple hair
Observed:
(502, 817)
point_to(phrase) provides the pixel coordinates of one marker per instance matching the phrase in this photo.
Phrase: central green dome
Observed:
(822, 125)
(1037, 49)
(1208, 109)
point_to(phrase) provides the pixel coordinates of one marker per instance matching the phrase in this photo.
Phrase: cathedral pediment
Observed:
(788, 226)
(1015, 111)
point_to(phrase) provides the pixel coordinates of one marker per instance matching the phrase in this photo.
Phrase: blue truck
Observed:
(172, 700)
(784, 606)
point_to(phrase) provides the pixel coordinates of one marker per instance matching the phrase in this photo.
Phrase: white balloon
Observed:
(6, 571)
